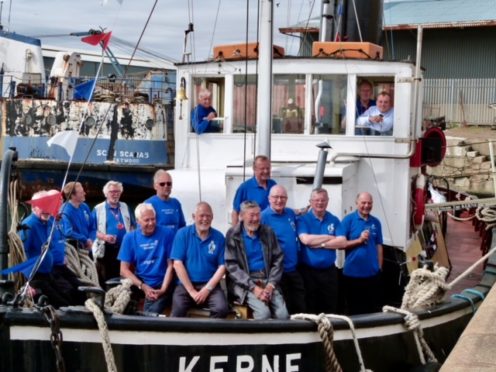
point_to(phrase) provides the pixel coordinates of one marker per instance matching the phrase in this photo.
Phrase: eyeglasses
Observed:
(282, 197)
(115, 191)
(162, 184)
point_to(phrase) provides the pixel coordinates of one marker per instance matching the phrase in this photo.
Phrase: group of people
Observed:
(276, 260)
(374, 117)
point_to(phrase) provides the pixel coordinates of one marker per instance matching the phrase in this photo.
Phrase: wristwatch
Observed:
(209, 288)
(322, 245)
(140, 286)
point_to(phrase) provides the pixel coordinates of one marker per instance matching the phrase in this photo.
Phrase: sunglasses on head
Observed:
(162, 184)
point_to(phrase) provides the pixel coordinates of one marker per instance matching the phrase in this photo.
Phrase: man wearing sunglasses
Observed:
(169, 211)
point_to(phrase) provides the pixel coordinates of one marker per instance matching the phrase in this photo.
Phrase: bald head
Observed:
(278, 198)
(364, 203)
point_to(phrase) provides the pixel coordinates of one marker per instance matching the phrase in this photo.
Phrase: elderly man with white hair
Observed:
(147, 249)
(111, 221)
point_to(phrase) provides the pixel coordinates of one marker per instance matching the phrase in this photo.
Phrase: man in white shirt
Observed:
(379, 118)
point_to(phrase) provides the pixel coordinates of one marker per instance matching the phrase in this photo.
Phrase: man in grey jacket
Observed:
(254, 263)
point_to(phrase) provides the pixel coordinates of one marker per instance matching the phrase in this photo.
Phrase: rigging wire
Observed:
(305, 34)
(141, 36)
(210, 49)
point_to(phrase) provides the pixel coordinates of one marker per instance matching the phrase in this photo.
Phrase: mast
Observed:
(264, 93)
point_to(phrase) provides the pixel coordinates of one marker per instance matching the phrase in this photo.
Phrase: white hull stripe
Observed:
(18, 332)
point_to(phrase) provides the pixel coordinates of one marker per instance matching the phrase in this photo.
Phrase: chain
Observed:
(55, 337)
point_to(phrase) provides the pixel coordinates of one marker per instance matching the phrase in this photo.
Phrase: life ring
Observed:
(418, 216)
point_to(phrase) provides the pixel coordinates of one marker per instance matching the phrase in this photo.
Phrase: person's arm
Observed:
(202, 295)
(276, 267)
(380, 255)
(127, 273)
(169, 274)
(183, 276)
(236, 273)
(318, 240)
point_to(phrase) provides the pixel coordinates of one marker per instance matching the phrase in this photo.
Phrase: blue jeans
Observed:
(275, 309)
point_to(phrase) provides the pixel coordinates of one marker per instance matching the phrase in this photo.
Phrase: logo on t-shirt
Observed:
(211, 247)
(330, 229)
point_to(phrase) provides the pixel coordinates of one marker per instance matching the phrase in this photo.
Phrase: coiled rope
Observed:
(118, 297)
(79, 262)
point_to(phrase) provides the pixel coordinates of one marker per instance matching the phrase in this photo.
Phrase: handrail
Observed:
(9, 157)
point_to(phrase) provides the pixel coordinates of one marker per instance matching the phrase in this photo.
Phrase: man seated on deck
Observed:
(317, 230)
(148, 250)
(362, 236)
(378, 119)
(35, 234)
(254, 263)
(203, 115)
(198, 255)
(169, 212)
(283, 221)
(256, 188)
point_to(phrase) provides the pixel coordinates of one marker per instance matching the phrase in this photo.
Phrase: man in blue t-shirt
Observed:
(203, 115)
(35, 234)
(148, 250)
(256, 188)
(364, 257)
(168, 210)
(198, 255)
(283, 221)
(317, 233)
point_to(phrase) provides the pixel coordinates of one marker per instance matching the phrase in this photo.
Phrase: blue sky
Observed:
(165, 33)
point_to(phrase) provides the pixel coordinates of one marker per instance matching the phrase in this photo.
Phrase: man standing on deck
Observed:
(254, 263)
(35, 234)
(317, 233)
(147, 249)
(169, 212)
(256, 188)
(76, 221)
(283, 221)
(362, 235)
(198, 255)
(111, 221)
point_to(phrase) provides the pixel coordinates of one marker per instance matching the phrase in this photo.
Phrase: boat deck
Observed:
(463, 244)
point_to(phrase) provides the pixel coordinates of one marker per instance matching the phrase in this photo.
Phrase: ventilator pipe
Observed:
(321, 164)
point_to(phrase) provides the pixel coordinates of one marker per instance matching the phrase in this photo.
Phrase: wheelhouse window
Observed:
(288, 104)
(214, 88)
(329, 97)
(244, 103)
(374, 109)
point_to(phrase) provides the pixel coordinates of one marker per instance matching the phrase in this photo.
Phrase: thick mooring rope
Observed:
(326, 333)
(102, 327)
(79, 262)
(118, 297)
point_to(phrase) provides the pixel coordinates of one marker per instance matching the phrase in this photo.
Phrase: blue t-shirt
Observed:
(169, 212)
(284, 226)
(198, 119)
(361, 261)
(201, 258)
(254, 252)
(149, 254)
(251, 190)
(34, 237)
(319, 258)
(76, 223)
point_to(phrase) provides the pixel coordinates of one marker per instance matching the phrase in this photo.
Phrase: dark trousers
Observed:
(293, 291)
(216, 302)
(321, 287)
(363, 295)
(68, 284)
(108, 266)
(48, 286)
